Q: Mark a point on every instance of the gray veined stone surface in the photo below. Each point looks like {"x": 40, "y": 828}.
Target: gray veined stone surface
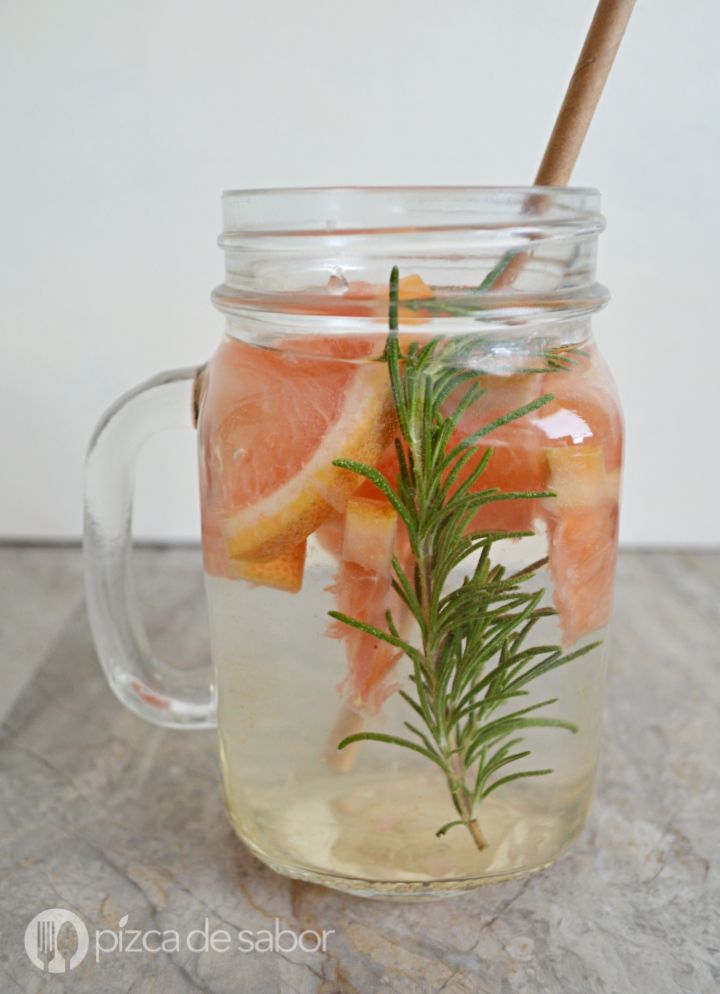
{"x": 107, "y": 816}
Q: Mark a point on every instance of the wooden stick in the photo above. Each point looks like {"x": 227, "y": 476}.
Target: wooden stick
{"x": 581, "y": 98}
{"x": 583, "y": 92}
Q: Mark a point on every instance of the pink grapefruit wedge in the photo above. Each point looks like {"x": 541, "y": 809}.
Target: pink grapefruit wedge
{"x": 272, "y": 424}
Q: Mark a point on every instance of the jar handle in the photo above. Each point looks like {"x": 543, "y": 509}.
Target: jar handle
{"x": 161, "y": 693}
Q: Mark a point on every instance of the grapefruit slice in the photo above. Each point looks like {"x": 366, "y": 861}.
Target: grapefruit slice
{"x": 370, "y": 527}
{"x": 285, "y": 572}
{"x": 364, "y": 594}
{"x": 363, "y": 590}
{"x": 583, "y": 557}
{"x": 272, "y": 424}
{"x": 583, "y": 433}
{"x": 371, "y": 299}
{"x": 330, "y": 534}
{"x": 516, "y": 463}
{"x": 572, "y": 446}
{"x": 582, "y": 529}
{"x": 577, "y": 477}
{"x": 585, "y": 411}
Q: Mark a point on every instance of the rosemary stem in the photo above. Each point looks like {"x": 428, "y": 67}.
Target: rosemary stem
{"x": 463, "y": 801}
{"x": 477, "y": 833}
{"x": 456, "y": 777}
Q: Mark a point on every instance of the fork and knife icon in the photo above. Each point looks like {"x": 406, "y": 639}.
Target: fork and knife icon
{"x": 53, "y": 959}
{"x": 49, "y": 941}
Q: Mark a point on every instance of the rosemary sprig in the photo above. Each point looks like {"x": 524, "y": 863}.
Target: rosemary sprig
{"x": 473, "y": 663}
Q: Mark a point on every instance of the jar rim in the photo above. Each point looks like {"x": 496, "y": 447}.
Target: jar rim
{"x": 298, "y": 252}
{"x": 374, "y": 210}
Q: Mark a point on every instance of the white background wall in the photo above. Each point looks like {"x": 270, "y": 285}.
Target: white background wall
{"x": 121, "y": 122}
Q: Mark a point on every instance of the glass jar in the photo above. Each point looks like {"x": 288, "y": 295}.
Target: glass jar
{"x": 410, "y": 453}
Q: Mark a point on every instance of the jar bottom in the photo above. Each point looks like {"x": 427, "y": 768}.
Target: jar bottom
{"x": 405, "y": 891}
{"x": 368, "y": 843}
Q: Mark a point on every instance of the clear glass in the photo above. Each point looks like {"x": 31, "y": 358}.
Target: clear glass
{"x": 172, "y": 696}
{"x": 402, "y": 599}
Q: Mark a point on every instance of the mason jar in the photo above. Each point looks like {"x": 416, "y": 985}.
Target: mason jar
{"x": 409, "y": 460}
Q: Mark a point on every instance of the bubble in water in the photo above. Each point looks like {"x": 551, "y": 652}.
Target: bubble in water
{"x": 337, "y": 284}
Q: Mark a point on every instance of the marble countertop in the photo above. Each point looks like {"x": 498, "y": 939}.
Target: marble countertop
{"x": 108, "y": 817}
